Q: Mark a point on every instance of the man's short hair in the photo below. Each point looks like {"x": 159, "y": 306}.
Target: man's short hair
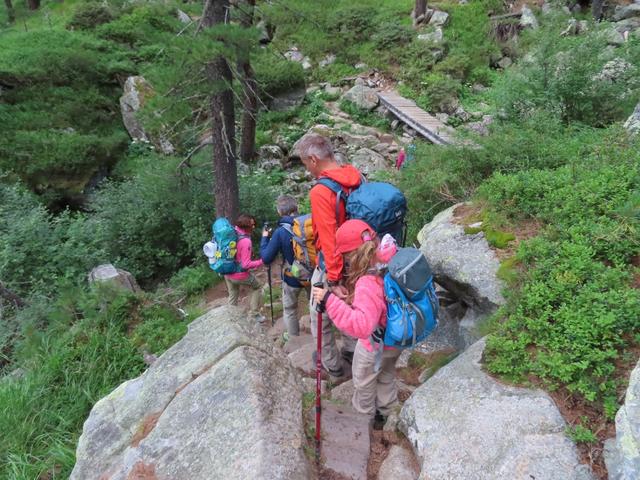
{"x": 286, "y": 205}
{"x": 314, "y": 144}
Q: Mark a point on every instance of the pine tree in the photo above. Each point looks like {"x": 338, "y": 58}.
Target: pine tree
{"x": 222, "y": 117}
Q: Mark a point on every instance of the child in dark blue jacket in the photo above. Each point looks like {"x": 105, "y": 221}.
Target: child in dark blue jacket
{"x": 280, "y": 243}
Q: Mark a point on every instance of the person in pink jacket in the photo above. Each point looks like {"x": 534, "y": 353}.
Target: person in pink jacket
{"x": 245, "y": 224}
{"x": 359, "y": 313}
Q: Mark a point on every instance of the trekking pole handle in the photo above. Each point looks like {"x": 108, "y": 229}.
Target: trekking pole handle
{"x": 320, "y": 307}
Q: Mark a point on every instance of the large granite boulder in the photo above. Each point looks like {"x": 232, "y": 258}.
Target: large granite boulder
{"x": 632, "y": 125}
{"x": 288, "y": 100}
{"x": 622, "y": 454}
{"x": 221, "y": 403}
{"x": 463, "y": 264}
{"x": 623, "y": 12}
{"x": 136, "y": 91}
{"x": 399, "y": 465}
{"x": 368, "y": 161}
{"x": 107, "y": 273}
{"x": 464, "y": 424}
{"x": 467, "y": 268}
{"x": 364, "y": 97}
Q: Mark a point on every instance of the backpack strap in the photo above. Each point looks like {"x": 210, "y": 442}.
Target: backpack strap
{"x": 336, "y": 188}
{"x": 288, "y": 228}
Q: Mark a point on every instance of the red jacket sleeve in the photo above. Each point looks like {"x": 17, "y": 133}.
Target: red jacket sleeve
{"x": 364, "y": 314}
{"x": 323, "y": 214}
{"x": 243, "y": 256}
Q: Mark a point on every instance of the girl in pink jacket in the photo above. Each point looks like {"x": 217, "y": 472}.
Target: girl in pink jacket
{"x": 359, "y": 313}
{"x": 245, "y": 224}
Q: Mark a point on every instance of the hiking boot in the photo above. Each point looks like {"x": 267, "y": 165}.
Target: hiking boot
{"x": 334, "y": 373}
{"x": 260, "y": 319}
{"x": 347, "y": 357}
{"x": 379, "y": 420}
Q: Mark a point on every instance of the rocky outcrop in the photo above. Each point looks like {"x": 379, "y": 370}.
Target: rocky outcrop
{"x": 463, "y": 264}
{"x": 398, "y": 465}
{"x": 107, "y": 273}
{"x": 136, "y": 91}
{"x": 624, "y": 12}
{"x": 364, "y": 97}
{"x": 466, "y": 267}
{"x": 632, "y": 125}
{"x": 287, "y": 100}
{"x": 622, "y": 454}
{"x": 295, "y": 55}
{"x": 436, "y": 36}
{"x": 368, "y": 161}
{"x": 464, "y": 424}
{"x": 220, "y": 403}
{"x": 528, "y": 19}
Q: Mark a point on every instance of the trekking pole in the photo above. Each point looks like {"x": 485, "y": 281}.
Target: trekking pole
{"x": 270, "y": 293}
{"x": 320, "y": 307}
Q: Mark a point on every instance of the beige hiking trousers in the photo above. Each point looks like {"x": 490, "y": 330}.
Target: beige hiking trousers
{"x": 374, "y": 390}
{"x": 290, "y": 297}
{"x": 331, "y": 358}
{"x": 255, "y": 297}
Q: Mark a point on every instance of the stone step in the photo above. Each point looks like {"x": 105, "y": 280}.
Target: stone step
{"x": 343, "y": 393}
{"x": 399, "y": 465}
{"x": 301, "y": 359}
{"x": 277, "y": 329}
{"x": 345, "y": 441}
{"x": 295, "y": 343}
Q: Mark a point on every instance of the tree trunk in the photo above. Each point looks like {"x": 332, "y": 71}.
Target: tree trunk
{"x": 596, "y": 9}
{"x": 419, "y": 9}
{"x": 33, "y": 4}
{"x": 225, "y": 172}
{"x": 249, "y": 92}
{"x": 11, "y": 297}
{"x": 11, "y": 14}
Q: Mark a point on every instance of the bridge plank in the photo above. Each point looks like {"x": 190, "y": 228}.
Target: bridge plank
{"x": 422, "y": 122}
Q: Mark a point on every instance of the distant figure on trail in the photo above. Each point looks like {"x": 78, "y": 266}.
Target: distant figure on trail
{"x": 280, "y": 243}
{"x": 244, "y": 225}
{"x": 316, "y": 153}
{"x": 360, "y": 313}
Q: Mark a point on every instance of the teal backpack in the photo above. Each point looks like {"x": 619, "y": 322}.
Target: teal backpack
{"x": 222, "y": 248}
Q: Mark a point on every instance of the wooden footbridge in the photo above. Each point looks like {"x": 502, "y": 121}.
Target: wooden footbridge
{"x": 408, "y": 112}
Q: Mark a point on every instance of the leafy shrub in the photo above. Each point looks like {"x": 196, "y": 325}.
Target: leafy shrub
{"x": 442, "y": 176}
{"x": 38, "y": 251}
{"x": 89, "y": 15}
{"x": 469, "y": 40}
{"x": 392, "y": 34}
{"x": 83, "y": 355}
{"x": 442, "y": 91}
{"x": 144, "y": 25}
{"x": 578, "y": 79}
{"x": 363, "y": 117}
{"x": 159, "y": 330}
{"x": 61, "y": 117}
{"x": 191, "y": 280}
{"x": 576, "y": 311}
{"x": 275, "y": 74}
{"x": 353, "y": 23}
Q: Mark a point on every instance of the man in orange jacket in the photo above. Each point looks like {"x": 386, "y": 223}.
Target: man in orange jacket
{"x": 316, "y": 153}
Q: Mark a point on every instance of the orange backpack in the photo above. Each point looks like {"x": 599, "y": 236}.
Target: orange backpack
{"x": 304, "y": 248}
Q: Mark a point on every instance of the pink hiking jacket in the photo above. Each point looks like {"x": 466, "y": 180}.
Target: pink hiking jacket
{"x": 243, "y": 257}
{"x": 362, "y": 317}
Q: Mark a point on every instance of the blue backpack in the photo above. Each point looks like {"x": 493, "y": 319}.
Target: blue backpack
{"x": 222, "y": 248}
{"x": 412, "y": 304}
{"x": 379, "y": 204}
